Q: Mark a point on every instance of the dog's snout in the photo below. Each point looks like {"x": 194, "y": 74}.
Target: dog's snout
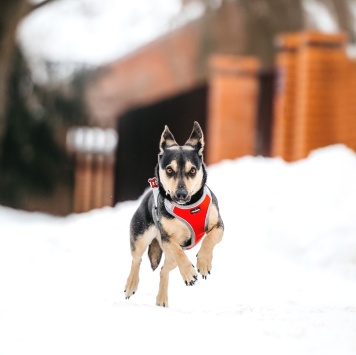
{"x": 181, "y": 193}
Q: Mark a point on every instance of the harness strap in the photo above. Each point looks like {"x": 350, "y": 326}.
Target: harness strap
{"x": 155, "y": 190}
{"x": 154, "y": 186}
{"x": 194, "y": 216}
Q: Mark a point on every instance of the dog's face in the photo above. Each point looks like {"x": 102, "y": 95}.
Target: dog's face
{"x": 181, "y": 168}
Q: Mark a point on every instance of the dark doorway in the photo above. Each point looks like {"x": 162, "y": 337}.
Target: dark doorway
{"x": 139, "y": 134}
{"x": 265, "y": 113}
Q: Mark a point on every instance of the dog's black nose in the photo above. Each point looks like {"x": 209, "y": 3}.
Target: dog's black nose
{"x": 181, "y": 194}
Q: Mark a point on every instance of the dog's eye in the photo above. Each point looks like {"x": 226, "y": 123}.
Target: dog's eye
{"x": 169, "y": 170}
{"x": 192, "y": 171}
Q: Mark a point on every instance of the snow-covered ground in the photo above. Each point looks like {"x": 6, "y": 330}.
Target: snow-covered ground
{"x": 283, "y": 278}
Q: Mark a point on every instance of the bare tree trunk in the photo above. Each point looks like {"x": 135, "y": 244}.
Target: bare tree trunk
{"x": 345, "y": 18}
{"x": 265, "y": 19}
{"x": 11, "y": 13}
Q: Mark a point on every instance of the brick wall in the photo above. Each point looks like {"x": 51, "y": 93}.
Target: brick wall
{"x": 233, "y": 97}
{"x": 314, "y": 101}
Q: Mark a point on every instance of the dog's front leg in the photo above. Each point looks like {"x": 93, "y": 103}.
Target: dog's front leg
{"x": 187, "y": 270}
{"x": 162, "y": 296}
{"x": 139, "y": 244}
{"x": 133, "y": 278}
{"x": 205, "y": 254}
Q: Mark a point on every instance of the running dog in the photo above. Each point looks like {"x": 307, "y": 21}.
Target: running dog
{"x": 178, "y": 213}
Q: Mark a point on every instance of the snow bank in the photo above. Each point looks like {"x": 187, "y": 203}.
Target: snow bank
{"x": 283, "y": 278}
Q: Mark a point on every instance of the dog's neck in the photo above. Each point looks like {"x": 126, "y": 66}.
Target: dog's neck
{"x": 196, "y": 197}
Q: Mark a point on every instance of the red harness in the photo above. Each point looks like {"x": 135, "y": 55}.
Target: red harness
{"x": 194, "y": 216}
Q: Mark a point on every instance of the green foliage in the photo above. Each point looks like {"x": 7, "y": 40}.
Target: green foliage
{"x": 33, "y": 161}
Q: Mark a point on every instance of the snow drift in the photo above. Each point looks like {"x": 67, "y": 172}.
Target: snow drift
{"x": 283, "y": 278}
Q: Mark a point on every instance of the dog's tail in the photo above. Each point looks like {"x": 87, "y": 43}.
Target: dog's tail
{"x": 154, "y": 253}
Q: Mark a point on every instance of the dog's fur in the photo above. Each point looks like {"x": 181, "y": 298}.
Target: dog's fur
{"x": 181, "y": 175}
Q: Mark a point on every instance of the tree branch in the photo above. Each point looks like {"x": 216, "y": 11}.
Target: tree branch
{"x": 37, "y": 6}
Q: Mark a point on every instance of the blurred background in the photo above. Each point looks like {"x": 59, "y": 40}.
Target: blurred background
{"x": 86, "y": 87}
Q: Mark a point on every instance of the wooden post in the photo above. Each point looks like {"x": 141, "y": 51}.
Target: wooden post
{"x": 314, "y": 101}
{"x": 94, "y": 172}
{"x": 346, "y": 107}
{"x": 285, "y": 96}
{"x": 98, "y": 180}
{"x": 79, "y": 183}
{"x": 108, "y": 181}
{"x": 83, "y": 183}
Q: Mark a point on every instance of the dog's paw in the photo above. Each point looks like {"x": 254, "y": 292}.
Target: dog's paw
{"x": 162, "y": 300}
{"x": 189, "y": 275}
{"x": 131, "y": 287}
{"x": 204, "y": 264}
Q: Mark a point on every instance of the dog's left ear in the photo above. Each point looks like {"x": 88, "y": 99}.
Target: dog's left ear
{"x": 196, "y": 139}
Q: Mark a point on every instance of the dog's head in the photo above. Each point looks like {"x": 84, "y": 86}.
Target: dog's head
{"x": 181, "y": 170}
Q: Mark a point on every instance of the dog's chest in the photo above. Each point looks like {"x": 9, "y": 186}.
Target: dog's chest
{"x": 190, "y": 223}
{"x": 176, "y": 229}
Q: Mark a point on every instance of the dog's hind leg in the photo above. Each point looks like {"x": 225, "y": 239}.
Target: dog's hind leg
{"x": 139, "y": 245}
{"x": 162, "y": 296}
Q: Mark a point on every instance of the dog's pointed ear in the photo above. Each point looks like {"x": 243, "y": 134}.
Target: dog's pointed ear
{"x": 196, "y": 139}
{"x": 167, "y": 140}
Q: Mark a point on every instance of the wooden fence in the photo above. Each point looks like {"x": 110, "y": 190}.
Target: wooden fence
{"x": 313, "y": 100}
{"x": 94, "y": 166}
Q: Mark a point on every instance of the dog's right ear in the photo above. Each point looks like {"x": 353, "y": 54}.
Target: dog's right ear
{"x": 167, "y": 140}
{"x": 196, "y": 139}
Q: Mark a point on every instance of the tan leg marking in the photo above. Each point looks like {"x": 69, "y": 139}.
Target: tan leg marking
{"x": 141, "y": 245}
{"x": 213, "y": 237}
{"x": 162, "y": 296}
{"x": 175, "y": 252}
{"x": 205, "y": 254}
{"x": 178, "y": 233}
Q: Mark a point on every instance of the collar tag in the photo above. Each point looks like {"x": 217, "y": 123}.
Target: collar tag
{"x": 153, "y": 183}
{"x": 154, "y": 186}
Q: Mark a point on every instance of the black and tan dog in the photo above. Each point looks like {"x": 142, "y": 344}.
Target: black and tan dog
{"x": 178, "y": 212}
